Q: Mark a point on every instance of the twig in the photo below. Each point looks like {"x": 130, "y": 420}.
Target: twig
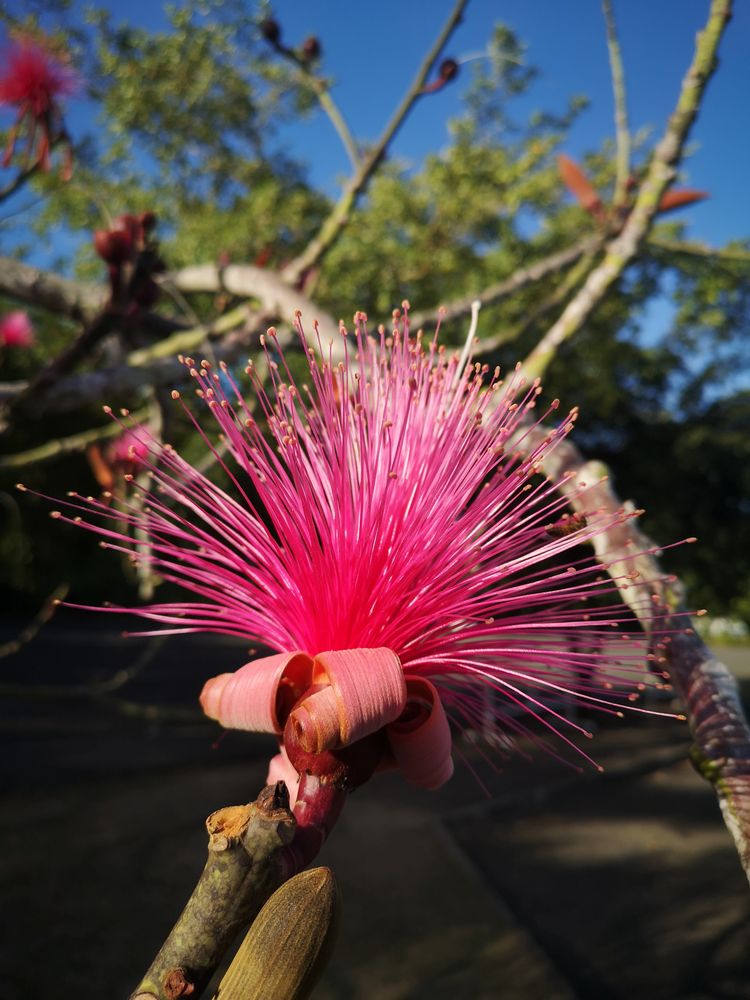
{"x": 513, "y": 283}
{"x": 18, "y": 182}
{"x": 338, "y": 121}
{"x": 274, "y": 294}
{"x": 573, "y": 278}
{"x": 339, "y": 215}
{"x": 621, "y": 109}
{"x": 244, "y": 866}
{"x": 58, "y": 447}
{"x": 661, "y": 173}
{"x": 122, "y": 677}
{"x": 699, "y": 250}
{"x": 321, "y": 90}
{"x": 41, "y": 618}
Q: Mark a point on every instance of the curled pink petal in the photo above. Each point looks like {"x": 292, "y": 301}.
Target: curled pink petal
{"x": 421, "y": 738}
{"x": 280, "y": 768}
{"x": 364, "y": 691}
{"x": 258, "y": 696}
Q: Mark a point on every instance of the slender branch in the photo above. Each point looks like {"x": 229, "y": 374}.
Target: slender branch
{"x": 26, "y": 173}
{"x": 573, "y": 278}
{"x": 188, "y": 341}
{"x": 513, "y": 283}
{"x": 706, "y": 686}
{"x": 18, "y": 182}
{"x": 729, "y": 256}
{"x": 661, "y": 173}
{"x": 321, "y": 90}
{"x": 41, "y": 618}
{"x": 58, "y": 447}
{"x": 339, "y": 216}
{"x": 339, "y": 122}
{"x": 243, "y": 868}
{"x": 621, "y": 108}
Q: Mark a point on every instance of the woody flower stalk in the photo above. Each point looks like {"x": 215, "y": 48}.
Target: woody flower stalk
{"x": 385, "y": 539}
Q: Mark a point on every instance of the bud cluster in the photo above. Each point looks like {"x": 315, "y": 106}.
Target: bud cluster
{"x": 132, "y": 258}
{"x": 308, "y": 52}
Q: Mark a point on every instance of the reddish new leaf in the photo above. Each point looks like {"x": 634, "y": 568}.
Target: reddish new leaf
{"x": 679, "y": 198}
{"x": 576, "y": 181}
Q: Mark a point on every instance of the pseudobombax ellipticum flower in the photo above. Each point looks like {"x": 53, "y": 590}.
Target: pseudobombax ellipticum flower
{"x": 33, "y": 79}
{"x": 384, "y": 533}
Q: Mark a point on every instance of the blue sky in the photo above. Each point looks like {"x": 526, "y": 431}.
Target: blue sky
{"x": 372, "y": 51}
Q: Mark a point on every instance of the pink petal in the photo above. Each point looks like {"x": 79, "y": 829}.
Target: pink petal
{"x": 421, "y": 739}
{"x": 258, "y": 696}
{"x": 280, "y": 768}
{"x": 364, "y": 691}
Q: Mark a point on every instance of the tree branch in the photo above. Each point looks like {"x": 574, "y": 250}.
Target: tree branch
{"x": 621, "y": 109}
{"x": 243, "y": 868}
{"x": 661, "y": 173}
{"x": 679, "y": 247}
{"x": 573, "y": 278}
{"x": 513, "y": 283}
{"x": 57, "y": 447}
{"x": 246, "y": 281}
{"x": 706, "y": 686}
{"x": 339, "y": 215}
{"x": 35, "y": 287}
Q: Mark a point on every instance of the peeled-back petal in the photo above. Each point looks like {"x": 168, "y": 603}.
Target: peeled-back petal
{"x": 258, "y": 696}
{"x": 421, "y": 739}
{"x": 364, "y": 691}
{"x": 280, "y": 768}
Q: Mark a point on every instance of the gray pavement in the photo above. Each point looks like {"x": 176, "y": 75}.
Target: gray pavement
{"x": 556, "y": 885}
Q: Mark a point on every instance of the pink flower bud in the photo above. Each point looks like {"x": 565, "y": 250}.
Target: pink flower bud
{"x": 16, "y": 330}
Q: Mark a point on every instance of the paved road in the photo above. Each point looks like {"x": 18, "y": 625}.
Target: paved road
{"x": 556, "y": 885}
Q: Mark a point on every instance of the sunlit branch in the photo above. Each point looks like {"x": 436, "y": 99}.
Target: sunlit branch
{"x": 515, "y": 282}
{"x": 339, "y": 216}
{"x": 661, "y": 172}
{"x": 58, "y": 447}
{"x": 706, "y": 686}
{"x": 621, "y": 109}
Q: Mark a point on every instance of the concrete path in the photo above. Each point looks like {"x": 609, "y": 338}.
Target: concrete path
{"x": 556, "y": 886}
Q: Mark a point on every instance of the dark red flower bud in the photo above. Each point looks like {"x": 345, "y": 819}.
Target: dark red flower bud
{"x": 131, "y": 225}
{"x": 114, "y": 246}
{"x": 271, "y": 30}
{"x": 448, "y": 70}
{"x": 311, "y": 49}
{"x": 147, "y": 221}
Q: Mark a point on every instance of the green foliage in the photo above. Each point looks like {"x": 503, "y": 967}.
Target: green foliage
{"x": 187, "y": 121}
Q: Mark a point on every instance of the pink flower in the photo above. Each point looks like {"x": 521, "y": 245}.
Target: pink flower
{"x": 16, "y": 330}
{"x": 33, "y": 79}
{"x": 379, "y": 507}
